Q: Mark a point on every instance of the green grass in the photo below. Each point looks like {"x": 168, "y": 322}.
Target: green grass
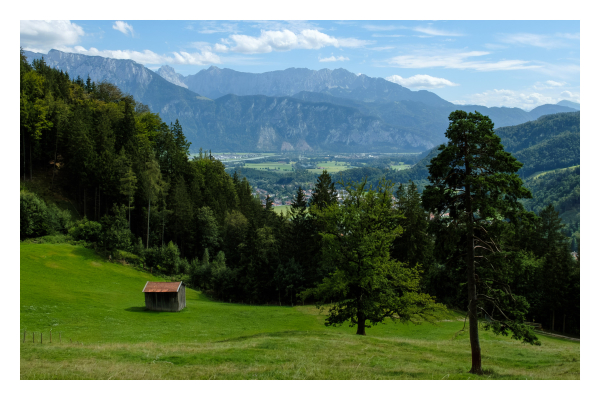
{"x": 399, "y": 167}
{"x": 272, "y": 166}
{"x": 540, "y": 173}
{"x": 100, "y": 307}
{"x": 332, "y": 167}
{"x": 281, "y": 209}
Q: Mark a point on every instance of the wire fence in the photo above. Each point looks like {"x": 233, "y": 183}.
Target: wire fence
{"x": 45, "y": 337}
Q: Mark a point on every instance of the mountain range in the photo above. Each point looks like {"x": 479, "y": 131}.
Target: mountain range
{"x": 294, "y": 109}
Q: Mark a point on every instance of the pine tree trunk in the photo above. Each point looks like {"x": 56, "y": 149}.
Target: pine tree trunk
{"x": 564, "y": 321}
{"x": 24, "y": 158}
{"x": 552, "y": 320}
{"x": 148, "y": 231}
{"x": 55, "y": 153}
{"x": 84, "y": 202}
{"x": 129, "y": 208}
{"x": 472, "y": 288}
{"x": 30, "y": 160}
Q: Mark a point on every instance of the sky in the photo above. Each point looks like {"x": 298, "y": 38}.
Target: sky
{"x": 492, "y": 63}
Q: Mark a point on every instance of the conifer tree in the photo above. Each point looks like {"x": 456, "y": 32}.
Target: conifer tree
{"x": 324, "y": 193}
{"x": 475, "y": 182}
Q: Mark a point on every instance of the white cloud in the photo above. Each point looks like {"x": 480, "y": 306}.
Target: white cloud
{"x": 457, "y": 60}
{"x": 123, "y": 27}
{"x": 421, "y": 81}
{"x": 210, "y": 27}
{"x": 204, "y": 46}
{"x": 382, "y": 48}
{"x": 333, "y": 58}
{"x": 568, "y": 95}
{"x": 150, "y": 57}
{"x": 42, "y": 36}
{"x": 531, "y": 39}
{"x": 548, "y": 85}
{"x": 526, "y": 100}
{"x": 221, "y": 48}
{"x": 435, "y": 32}
{"x": 574, "y": 36}
{"x": 285, "y": 40}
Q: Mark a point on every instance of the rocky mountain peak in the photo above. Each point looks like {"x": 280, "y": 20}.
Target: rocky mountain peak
{"x": 169, "y": 74}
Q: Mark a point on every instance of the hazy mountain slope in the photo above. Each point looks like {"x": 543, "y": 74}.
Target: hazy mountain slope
{"x": 216, "y": 82}
{"x": 519, "y": 137}
{"x": 244, "y": 123}
{"x": 273, "y": 123}
{"x": 547, "y": 109}
{"x": 567, "y": 103}
{"x": 331, "y": 109}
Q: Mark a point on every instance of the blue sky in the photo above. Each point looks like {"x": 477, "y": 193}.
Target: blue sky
{"x": 494, "y": 63}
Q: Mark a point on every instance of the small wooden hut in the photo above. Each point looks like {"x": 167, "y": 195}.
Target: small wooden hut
{"x": 165, "y": 296}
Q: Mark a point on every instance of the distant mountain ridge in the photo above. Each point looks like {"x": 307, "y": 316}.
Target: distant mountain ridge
{"x": 344, "y": 112}
{"x": 215, "y": 82}
{"x": 567, "y": 103}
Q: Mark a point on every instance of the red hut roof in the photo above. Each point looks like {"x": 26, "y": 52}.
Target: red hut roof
{"x": 162, "y": 287}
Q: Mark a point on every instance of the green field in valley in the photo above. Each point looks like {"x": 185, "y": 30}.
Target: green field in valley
{"x": 281, "y": 209}
{"x": 399, "y": 167}
{"x": 107, "y": 334}
{"x": 332, "y": 167}
{"x": 271, "y": 166}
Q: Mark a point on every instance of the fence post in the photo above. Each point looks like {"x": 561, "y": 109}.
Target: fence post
{"x": 50, "y": 335}
{"x": 41, "y": 337}
{"x": 33, "y": 337}
{"x": 59, "y": 337}
{"x": 24, "y": 332}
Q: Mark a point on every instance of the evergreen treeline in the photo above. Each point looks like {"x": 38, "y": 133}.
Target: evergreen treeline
{"x": 137, "y": 192}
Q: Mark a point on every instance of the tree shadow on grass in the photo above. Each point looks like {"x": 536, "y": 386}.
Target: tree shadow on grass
{"x": 86, "y": 254}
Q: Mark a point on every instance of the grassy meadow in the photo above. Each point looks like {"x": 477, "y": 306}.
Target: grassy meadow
{"x": 399, "y": 167}
{"x": 332, "y": 167}
{"x": 107, "y": 334}
{"x": 271, "y": 166}
{"x": 281, "y": 209}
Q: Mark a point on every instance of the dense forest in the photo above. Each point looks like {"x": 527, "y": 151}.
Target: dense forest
{"x": 99, "y": 168}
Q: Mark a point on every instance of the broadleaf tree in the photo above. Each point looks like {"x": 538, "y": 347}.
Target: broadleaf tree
{"x": 367, "y": 285}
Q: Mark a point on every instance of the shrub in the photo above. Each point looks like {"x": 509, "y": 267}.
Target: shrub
{"x": 38, "y": 219}
{"x": 129, "y": 258}
{"x": 170, "y": 258}
{"x": 115, "y": 234}
{"x": 86, "y": 230}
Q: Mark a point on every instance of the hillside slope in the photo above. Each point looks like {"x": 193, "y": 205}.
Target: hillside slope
{"x": 98, "y": 308}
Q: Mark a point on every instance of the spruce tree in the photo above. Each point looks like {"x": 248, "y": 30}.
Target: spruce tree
{"x": 324, "y": 193}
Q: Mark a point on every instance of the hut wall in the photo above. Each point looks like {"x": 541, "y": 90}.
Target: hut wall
{"x": 162, "y": 301}
{"x": 181, "y": 297}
